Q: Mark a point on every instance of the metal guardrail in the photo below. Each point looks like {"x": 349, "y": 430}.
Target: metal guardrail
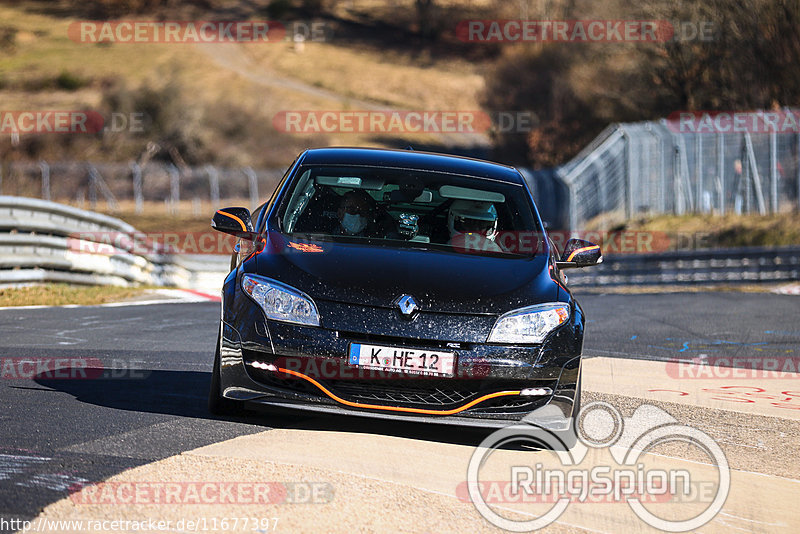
{"x": 38, "y": 242}
{"x": 719, "y": 266}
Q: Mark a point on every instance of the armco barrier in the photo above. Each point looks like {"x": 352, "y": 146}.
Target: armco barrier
{"x": 35, "y": 247}
{"x": 717, "y": 266}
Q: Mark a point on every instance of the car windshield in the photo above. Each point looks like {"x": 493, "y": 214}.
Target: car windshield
{"x": 410, "y": 208}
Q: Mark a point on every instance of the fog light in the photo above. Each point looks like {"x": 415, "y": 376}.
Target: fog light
{"x": 535, "y": 392}
{"x": 264, "y": 366}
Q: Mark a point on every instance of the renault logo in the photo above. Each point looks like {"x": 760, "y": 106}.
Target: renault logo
{"x": 408, "y": 306}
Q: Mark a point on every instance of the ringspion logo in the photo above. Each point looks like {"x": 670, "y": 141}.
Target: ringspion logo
{"x": 624, "y": 473}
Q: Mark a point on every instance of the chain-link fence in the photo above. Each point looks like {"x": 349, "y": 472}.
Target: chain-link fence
{"x": 655, "y": 167}
{"x": 109, "y": 185}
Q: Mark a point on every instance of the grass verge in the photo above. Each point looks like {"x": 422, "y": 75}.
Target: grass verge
{"x": 61, "y": 294}
{"x": 707, "y": 231}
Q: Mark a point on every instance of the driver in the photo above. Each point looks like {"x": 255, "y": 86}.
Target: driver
{"x": 473, "y": 226}
{"x": 356, "y": 214}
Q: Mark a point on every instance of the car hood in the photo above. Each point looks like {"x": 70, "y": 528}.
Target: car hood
{"x": 440, "y": 281}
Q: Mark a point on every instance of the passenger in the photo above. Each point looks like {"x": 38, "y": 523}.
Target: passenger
{"x": 473, "y": 226}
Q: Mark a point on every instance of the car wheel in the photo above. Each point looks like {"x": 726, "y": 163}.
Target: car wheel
{"x": 570, "y": 437}
{"x": 576, "y": 406}
{"x": 217, "y": 404}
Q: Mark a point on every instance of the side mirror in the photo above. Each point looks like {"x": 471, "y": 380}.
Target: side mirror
{"x": 580, "y": 253}
{"x": 234, "y": 221}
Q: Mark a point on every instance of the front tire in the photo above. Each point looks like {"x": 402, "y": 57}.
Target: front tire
{"x": 569, "y": 437}
{"x": 217, "y": 404}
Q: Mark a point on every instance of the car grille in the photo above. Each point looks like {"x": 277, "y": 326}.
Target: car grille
{"x": 430, "y": 393}
{"x": 407, "y": 392}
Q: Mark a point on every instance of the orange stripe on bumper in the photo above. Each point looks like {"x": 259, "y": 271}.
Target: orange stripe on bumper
{"x": 398, "y": 408}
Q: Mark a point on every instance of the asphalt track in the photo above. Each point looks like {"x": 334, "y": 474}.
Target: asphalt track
{"x": 149, "y": 402}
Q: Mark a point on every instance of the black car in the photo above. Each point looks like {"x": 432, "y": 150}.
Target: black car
{"x": 400, "y": 284}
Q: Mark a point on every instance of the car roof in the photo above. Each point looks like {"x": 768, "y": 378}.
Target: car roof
{"x": 411, "y": 159}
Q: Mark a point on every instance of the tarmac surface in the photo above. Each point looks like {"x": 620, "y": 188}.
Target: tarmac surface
{"x": 140, "y": 417}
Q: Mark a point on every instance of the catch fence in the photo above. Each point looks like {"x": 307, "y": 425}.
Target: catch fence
{"x": 91, "y": 185}
{"x": 655, "y": 167}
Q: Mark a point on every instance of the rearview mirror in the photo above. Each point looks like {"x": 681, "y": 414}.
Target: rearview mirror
{"x": 234, "y": 221}
{"x": 580, "y": 253}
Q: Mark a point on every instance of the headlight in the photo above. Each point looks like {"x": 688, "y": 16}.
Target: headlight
{"x": 281, "y": 302}
{"x": 530, "y": 324}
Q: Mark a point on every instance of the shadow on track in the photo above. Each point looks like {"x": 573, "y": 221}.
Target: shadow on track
{"x": 183, "y": 394}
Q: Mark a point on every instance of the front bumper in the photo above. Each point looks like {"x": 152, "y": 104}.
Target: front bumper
{"x": 277, "y": 364}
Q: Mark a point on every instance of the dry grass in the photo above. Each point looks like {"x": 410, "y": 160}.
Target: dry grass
{"x": 392, "y": 79}
{"x": 190, "y": 217}
{"x": 729, "y": 230}
{"x": 61, "y": 294}
{"x": 252, "y": 78}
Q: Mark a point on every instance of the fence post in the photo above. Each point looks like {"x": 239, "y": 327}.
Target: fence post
{"x": 660, "y": 186}
{"x": 677, "y": 201}
{"x": 253, "y": 183}
{"x": 721, "y": 171}
{"x": 98, "y": 183}
{"x": 698, "y": 170}
{"x": 751, "y": 156}
{"x": 213, "y": 185}
{"x": 92, "y": 190}
{"x": 629, "y": 206}
{"x": 573, "y": 208}
{"x": 45, "y": 168}
{"x": 683, "y": 193}
{"x": 773, "y": 171}
{"x": 138, "y": 198}
{"x": 174, "y": 188}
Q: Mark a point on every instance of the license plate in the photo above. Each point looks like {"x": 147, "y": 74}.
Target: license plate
{"x": 414, "y": 361}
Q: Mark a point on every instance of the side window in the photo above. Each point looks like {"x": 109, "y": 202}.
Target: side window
{"x": 264, "y": 208}
{"x": 256, "y": 215}
{"x": 554, "y": 254}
